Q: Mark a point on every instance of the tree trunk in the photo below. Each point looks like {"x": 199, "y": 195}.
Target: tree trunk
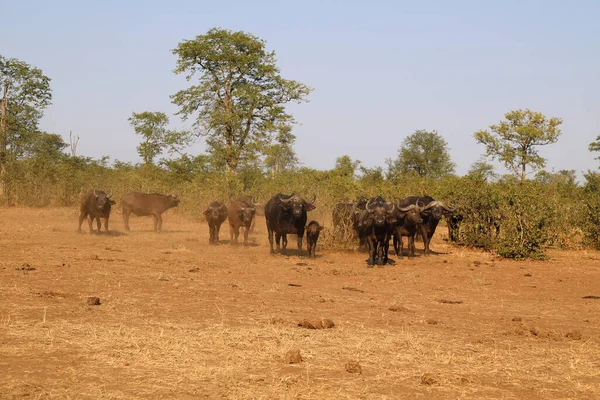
{"x": 523, "y": 166}
{"x": 3, "y": 140}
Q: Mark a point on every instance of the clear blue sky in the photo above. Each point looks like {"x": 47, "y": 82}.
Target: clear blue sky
{"x": 380, "y": 70}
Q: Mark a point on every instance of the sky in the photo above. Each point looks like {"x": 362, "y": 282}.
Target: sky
{"x": 379, "y": 70}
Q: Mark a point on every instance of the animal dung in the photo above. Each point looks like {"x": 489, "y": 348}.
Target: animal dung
{"x": 353, "y": 367}
{"x": 293, "y": 356}
{"x": 428, "y": 379}
{"x": 93, "y": 301}
{"x": 316, "y": 324}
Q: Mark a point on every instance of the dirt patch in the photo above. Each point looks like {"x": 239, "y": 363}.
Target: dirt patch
{"x": 573, "y": 335}
{"x": 223, "y": 329}
{"x": 25, "y": 267}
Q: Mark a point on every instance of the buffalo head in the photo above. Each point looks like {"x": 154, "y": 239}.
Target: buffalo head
{"x": 435, "y": 208}
{"x": 411, "y": 213}
{"x": 102, "y": 199}
{"x": 246, "y": 213}
{"x": 172, "y": 201}
{"x": 379, "y": 210}
{"x": 297, "y": 204}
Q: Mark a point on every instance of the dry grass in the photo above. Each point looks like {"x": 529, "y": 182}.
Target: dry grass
{"x": 182, "y": 319}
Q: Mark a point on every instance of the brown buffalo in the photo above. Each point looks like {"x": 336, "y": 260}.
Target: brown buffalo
{"x": 95, "y": 204}
{"x": 241, "y": 214}
{"x": 215, "y": 215}
{"x": 146, "y": 204}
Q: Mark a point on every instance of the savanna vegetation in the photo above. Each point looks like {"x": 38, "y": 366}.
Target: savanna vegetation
{"x": 236, "y": 101}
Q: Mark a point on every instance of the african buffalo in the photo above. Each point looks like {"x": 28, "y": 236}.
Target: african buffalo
{"x": 286, "y": 214}
{"x": 407, "y": 221}
{"x": 313, "y": 229}
{"x": 359, "y": 213}
{"x": 241, "y": 214}
{"x": 95, "y": 204}
{"x": 379, "y": 222}
{"x": 431, "y": 216}
{"x": 145, "y": 204}
{"x": 215, "y": 215}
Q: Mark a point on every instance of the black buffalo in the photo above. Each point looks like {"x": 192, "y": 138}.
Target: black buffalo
{"x": 313, "y": 229}
{"x": 378, "y": 225}
{"x": 286, "y": 214}
{"x": 407, "y": 221}
{"x": 215, "y": 215}
{"x": 95, "y": 204}
{"x": 146, "y": 204}
{"x": 434, "y": 212}
{"x": 359, "y": 214}
{"x": 241, "y": 214}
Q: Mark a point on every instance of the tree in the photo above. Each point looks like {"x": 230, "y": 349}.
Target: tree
{"x": 240, "y": 97}
{"x": 482, "y": 170}
{"x": 344, "y": 166}
{"x": 514, "y": 140}
{"x": 152, "y": 126}
{"x": 595, "y": 146}
{"x": 425, "y": 154}
{"x": 25, "y": 92}
{"x": 281, "y": 155}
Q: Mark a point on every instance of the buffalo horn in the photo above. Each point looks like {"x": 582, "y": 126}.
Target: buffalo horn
{"x": 95, "y": 193}
{"x": 286, "y": 200}
{"x": 407, "y": 208}
{"x": 445, "y": 207}
{"x": 313, "y": 200}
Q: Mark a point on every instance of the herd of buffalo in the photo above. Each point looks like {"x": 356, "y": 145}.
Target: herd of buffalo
{"x": 374, "y": 221}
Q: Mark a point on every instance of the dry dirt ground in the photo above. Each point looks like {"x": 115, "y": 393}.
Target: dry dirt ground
{"x": 181, "y": 319}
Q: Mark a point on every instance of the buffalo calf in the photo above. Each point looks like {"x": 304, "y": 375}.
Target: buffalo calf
{"x": 313, "y": 229}
{"x": 215, "y": 215}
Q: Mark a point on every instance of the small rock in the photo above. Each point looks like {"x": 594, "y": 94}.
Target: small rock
{"x": 573, "y": 335}
{"x": 353, "y": 367}
{"x": 93, "y": 301}
{"x": 528, "y": 275}
{"x": 95, "y": 257}
{"x": 432, "y": 321}
{"x": 194, "y": 269}
{"x": 428, "y": 379}
{"x": 517, "y": 319}
{"x": 293, "y": 356}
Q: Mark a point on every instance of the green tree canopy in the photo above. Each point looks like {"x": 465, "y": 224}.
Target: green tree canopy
{"x": 239, "y": 97}
{"x": 482, "y": 170}
{"x": 425, "y": 154}
{"x": 152, "y": 126}
{"x": 595, "y": 146}
{"x": 24, "y": 94}
{"x": 281, "y": 156}
{"x": 514, "y": 140}
{"x": 345, "y": 166}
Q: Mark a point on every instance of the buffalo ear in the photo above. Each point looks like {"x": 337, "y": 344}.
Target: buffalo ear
{"x": 309, "y": 207}
{"x": 207, "y": 211}
{"x": 112, "y": 202}
{"x": 320, "y": 228}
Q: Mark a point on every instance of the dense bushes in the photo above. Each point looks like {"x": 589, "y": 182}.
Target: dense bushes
{"x": 514, "y": 219}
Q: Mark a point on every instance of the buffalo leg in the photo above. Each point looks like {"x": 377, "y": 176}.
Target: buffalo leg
{"x": 105, "y": 225}
{"x": 99, "y": 224}
{"x": 81, "y": 218}
{"x": 371, "y": 245}
{"x": 126, "y": 219}
{"x": 246, "y": 231}
{"x": 158, "y": 223}
{"x": 90, "y": 223}
{"x": 284, "y": 241}
{"x": 217, "y": 229}
{"x": 411, "y": 246}
{"x": 300, "y": 236}
{"x": 231, "y": 230}
{"x": 237, "y": 234}
{"x": 386, "y": 249}
{"x": 277, "y": 242}
{"x": 423, "y": 232}
{"x": 270, "y": 235}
